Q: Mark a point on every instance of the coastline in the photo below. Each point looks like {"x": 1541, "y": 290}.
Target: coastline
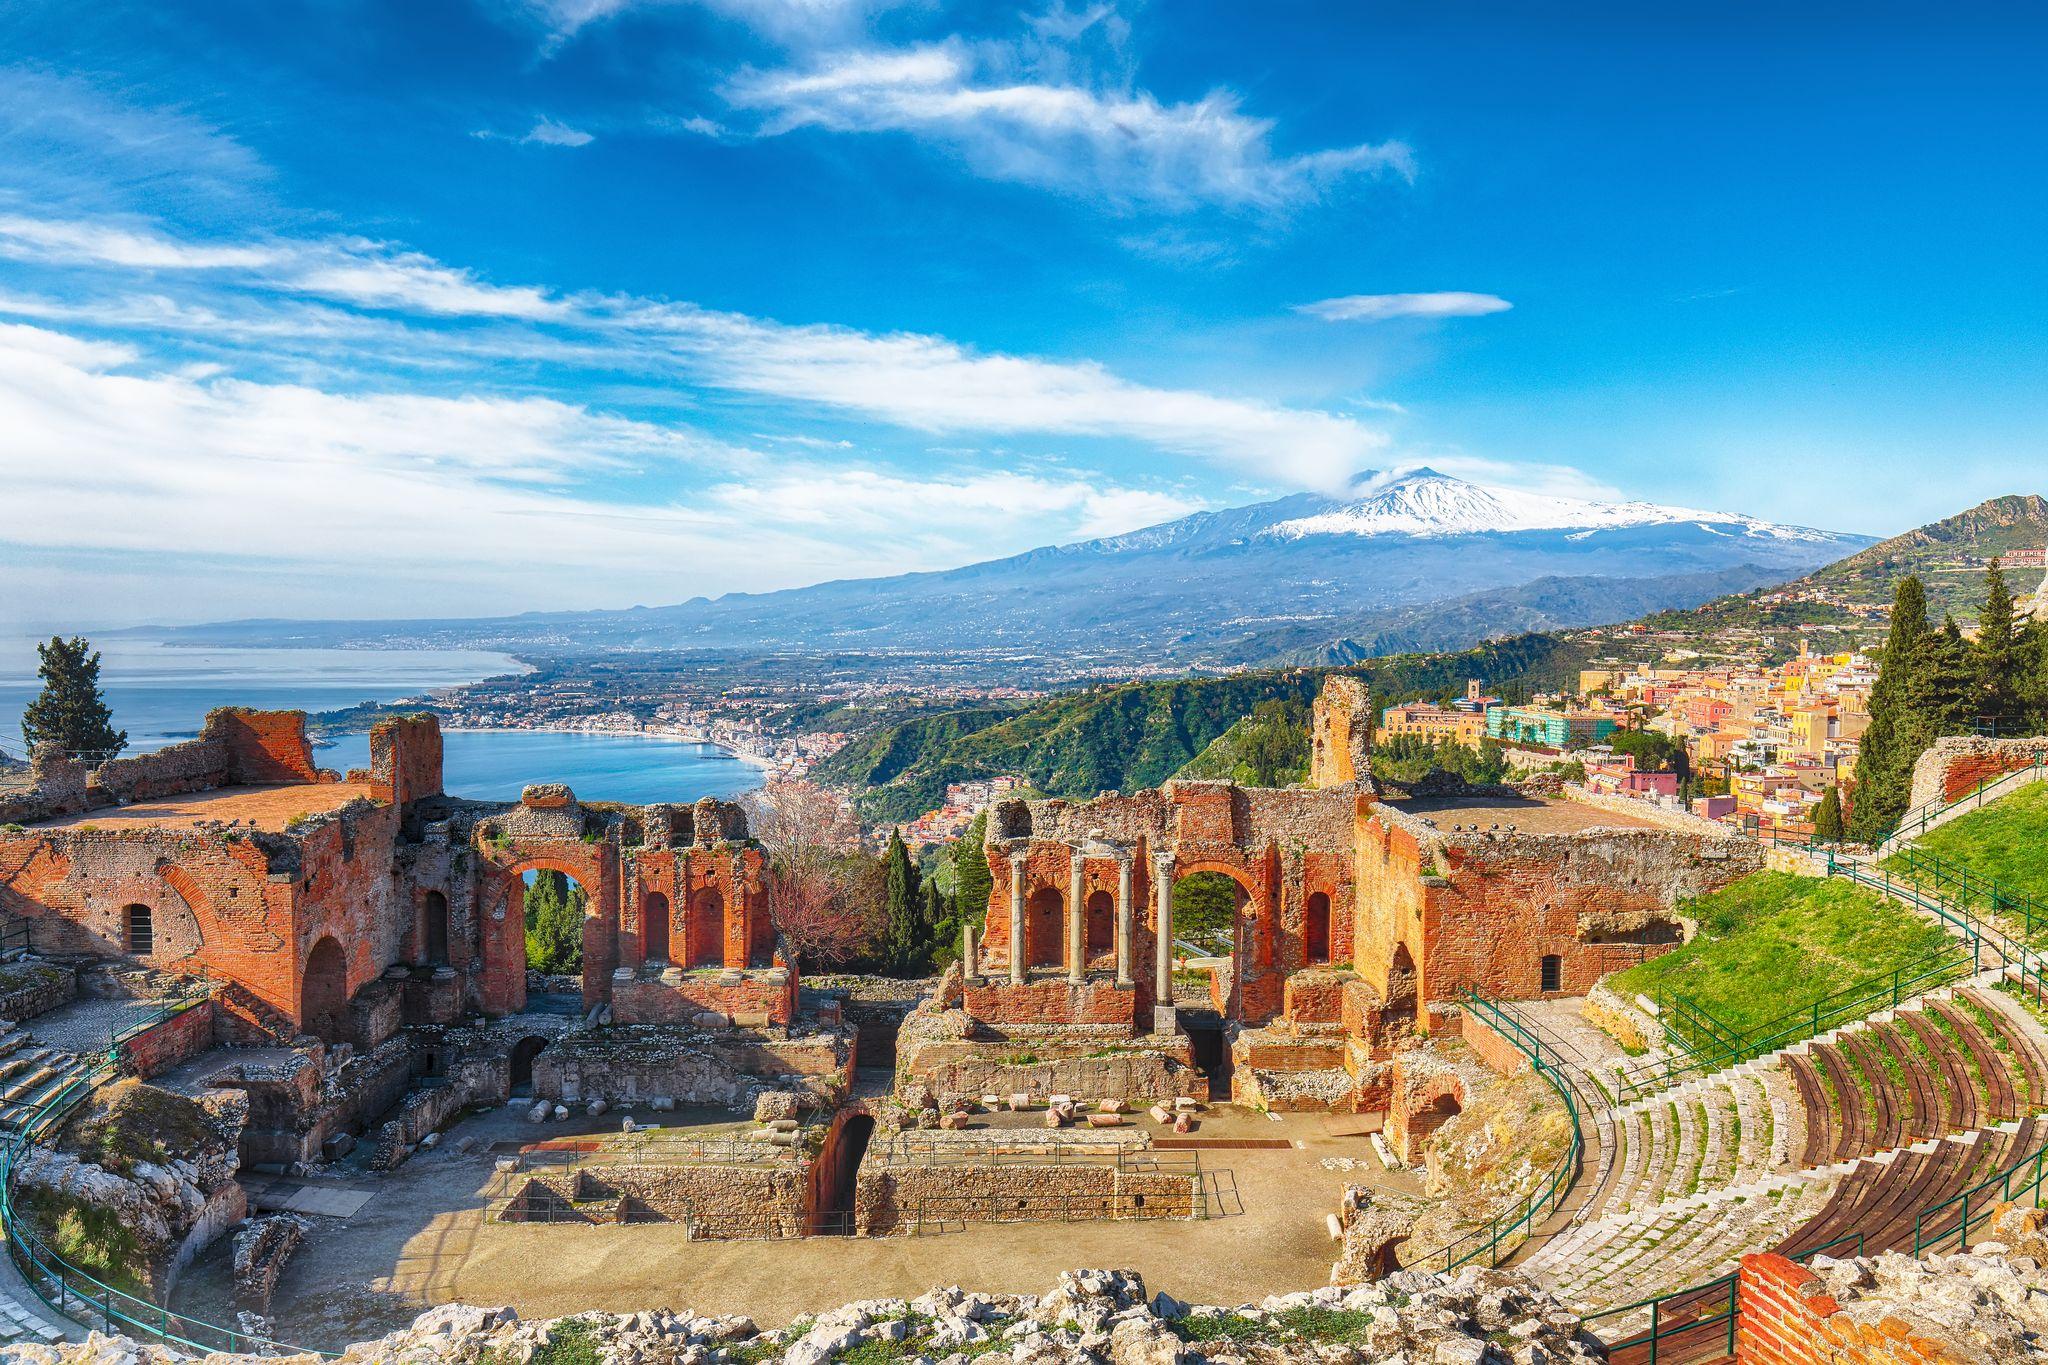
{"x": 672, "y": 737}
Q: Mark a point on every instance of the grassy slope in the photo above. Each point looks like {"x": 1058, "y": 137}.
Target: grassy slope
{"x": 1773, "y": 942}
{"x": 2006, "y": 841}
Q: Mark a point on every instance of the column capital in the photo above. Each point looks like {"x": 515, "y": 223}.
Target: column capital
{"x": 1019, "y": 857}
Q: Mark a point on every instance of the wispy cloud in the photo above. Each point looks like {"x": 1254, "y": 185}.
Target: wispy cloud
{"x": 563, "y": 19}
{"x": 1126, "y": 148}
{"x": 911, "y": 380}
{"x": 546, "y": 132}
{"x": 1381, "y": 307}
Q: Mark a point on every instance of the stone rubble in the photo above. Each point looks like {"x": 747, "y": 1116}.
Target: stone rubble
{"x": 1091, "y": 1317}
{"x": 1988, "y": 1303}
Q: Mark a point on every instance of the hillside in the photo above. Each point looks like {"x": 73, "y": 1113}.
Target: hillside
{"x": 1232, "y": 588}
{"x": 1134, "y": 735}
{"x": 1846, "y": 600}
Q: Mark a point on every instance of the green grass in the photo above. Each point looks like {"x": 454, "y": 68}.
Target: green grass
{"x": 1773, "y": 942}
{"x": 1321, "y": 1325}
{"x": 2007, "y": 841}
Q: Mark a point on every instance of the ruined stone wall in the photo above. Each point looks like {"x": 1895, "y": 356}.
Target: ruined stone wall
{"x": 173, "y": 1042}
{"x": 1340, "y": 734}
{"x": 1952, "y": 768}
{"x": 1485, "y": 911}
{"x": 729, "y": 1068}
{"x": 890, "y": 1197}
{"x": 1888, "y": 1310}
{"x": 995, "y": 1000}
{"x": 405, "y": 759}
{"x": 350, "y": 892}
{"x": 28, "y": 989}
{"x": 236, "y": 747}
{"x": 716, "y": 1203}
{"x": 712, "y": 998}
{"x": 943, "y": 1055}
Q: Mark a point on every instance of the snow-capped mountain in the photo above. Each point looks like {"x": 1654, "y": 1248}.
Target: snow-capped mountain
{"x": 1415, "y": 561}
{"x": 1426, "y": 503}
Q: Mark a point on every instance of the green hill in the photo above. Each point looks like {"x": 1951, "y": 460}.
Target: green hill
{"x": 2006, "y": 843}
{"x": 1134, "y": 735}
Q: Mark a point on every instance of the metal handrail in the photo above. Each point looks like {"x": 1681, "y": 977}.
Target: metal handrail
{"x": 44, "y": 1270}
{"x": 1725, "y": 1046}
{"x": 1716, "y": 1347}
{"x": 1491, "y": 1242}
{"x": 1977, "y": 888}
{"x": 2031, "y": 1170}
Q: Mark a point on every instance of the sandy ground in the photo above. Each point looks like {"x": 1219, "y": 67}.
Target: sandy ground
{"x": 422, "y": 1240}
{"x": 263, "y": 808}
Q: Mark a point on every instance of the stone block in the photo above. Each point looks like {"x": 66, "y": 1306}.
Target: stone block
{"x": 337, "y": 1145}
{"x": 1105, "y": 1120}
{"x": 1159, "y": 1114}
{"x": 1019, "y": 1103}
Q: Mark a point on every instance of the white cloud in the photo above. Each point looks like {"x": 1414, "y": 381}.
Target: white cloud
{"x": 546, "y": 132}
{"x": 1126, "y": 148}
{"x": 775, "y": 18}
{"x": 1380, "y": 307}
{"x": 111, "y": 244}
{"x": 912, "y": 380}
{"x": 177, "y": 493}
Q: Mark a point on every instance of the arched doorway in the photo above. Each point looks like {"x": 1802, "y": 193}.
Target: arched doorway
{"x": 836, "y": 1176}
{"x": 138, "y": 930}
{"x": 1206, "y": 910}
{"x": 1317, "y": 930}
{"x": 523, "y": 1053}
{"x": 323, "y": 993}
{"x": 654, "y": 927}
{"x": 555, "y": 905}
{"x": 1045, "y": 930}
{"x": 707, "y": 929}
{"x": 434, "y": 929}
{"x": 1101, "y": 923}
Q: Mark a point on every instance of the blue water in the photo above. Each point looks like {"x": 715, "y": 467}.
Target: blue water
{"x": 492, "y": 765}
{"x": 160, "y": 694}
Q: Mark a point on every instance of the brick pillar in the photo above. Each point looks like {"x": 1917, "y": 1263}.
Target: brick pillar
{"x": 1077, "y": 920}
{"x": 1164, "y": 1020}
{"x": 1123, "y": 921}
{"x": 1017, "y": 958}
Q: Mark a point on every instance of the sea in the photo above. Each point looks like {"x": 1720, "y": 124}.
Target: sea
{"x": 160, "y": 693}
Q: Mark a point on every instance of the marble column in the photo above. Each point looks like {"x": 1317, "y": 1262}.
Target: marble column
{"x": 1077, "y": 919}
{"x": 1123, "y": 921}
{"x": 1162, "y": 978}
{"x": 970, "y": 965}
{"x": 1017, "y": 946}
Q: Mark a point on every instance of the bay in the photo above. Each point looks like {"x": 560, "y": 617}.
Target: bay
{"x": 161, "y": 693}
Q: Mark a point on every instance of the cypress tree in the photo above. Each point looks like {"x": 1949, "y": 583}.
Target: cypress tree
{"x": 1947, "y": 703}
{"x": 70, "y": 712}
{"x": 1827, "y": 817}
{"x": 972, "y": 880}
{"x": 554, "y": 923}
{"x": 1998, "y": 658}
{"x": 1884, "y": 764}
{"x": 902, "y": 943}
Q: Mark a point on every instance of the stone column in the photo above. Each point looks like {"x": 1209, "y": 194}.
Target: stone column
{"x": 1017, "y": 958}
{"x": 1163, "y": 1016}
{"x": 1123, "y": 921}
{"x": 969, "y": 963}
{"x": 1077, "y": 918}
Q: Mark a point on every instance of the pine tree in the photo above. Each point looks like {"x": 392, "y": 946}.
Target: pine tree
{"x": 1827, "y": 817}
{"x": 1998, "y": 659}
{"x": 1897, "y": 722}
{"x": 70, "y": 712}
{"x": 902, "y": 942}
{"x": 1947, "y": 700}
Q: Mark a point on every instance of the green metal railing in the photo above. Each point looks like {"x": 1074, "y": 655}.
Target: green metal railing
{"x": 1948, "y": 878}
{"x": 1693, "y": 1324}
{"x": 1916, "y": 821}
{"x": 64, "y": 1288}
{"x": 1951, "y": 1220}
{"x": 1711, "y": 1045}
{"x": 1510, "y": 1228}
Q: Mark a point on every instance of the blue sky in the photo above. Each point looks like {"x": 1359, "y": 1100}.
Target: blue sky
{"x": 462, "y": 306}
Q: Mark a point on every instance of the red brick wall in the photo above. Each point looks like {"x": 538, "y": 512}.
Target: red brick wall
{"x": 1051, "y": 1001}
{"x": 405, "y": 758}
{"x": 264, "y": 746}
{"x": 1315, "y": 998}
{"x": 177, "y": 1039}
{"x": 1786, "y": 1319}
{"x": 653, "y": 1001}
{"x": 1492, "y": 1049}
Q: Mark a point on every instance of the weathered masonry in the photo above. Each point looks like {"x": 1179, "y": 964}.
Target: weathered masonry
{"x": 339, "y": 906}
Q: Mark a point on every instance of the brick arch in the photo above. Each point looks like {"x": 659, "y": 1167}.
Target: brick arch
{"x": 184, "y": 930}
{"x": 324, "y": 992}
{"x": 504, "y": 929}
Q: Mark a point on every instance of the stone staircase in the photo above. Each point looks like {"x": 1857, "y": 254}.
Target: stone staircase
{"x": 31, "y": 1075}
